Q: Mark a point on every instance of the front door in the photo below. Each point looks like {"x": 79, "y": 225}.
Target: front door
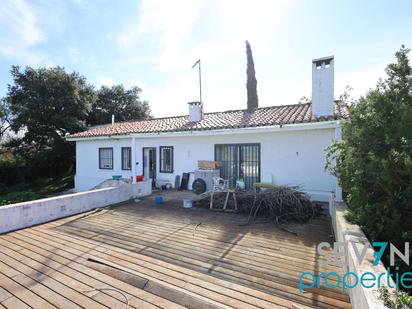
{"x": 149, "y": 163}
{"x": 239, "y": 161}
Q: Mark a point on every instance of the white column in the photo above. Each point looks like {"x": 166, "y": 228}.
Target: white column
{"x": 134, "y": 159}
{"x": 338, "y": 189}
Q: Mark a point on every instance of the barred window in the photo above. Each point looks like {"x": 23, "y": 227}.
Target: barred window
{"x": 166, "y": 159}
{"x": 106, "y": 158}
{"x": 126, "y": 158}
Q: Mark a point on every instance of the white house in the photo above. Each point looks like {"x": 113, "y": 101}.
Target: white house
{"x": 284, "y": 145}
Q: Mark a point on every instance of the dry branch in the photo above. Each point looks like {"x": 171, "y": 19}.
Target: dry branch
{"x": 279, "y": 205}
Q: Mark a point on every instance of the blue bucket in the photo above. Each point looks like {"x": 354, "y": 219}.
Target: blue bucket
{"x": 187, "y": 202}
{"x": 158, "y": 200}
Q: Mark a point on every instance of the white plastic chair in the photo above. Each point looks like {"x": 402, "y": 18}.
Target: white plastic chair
{"x": 220, "y": 184}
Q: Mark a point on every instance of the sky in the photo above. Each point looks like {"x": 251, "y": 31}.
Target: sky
{"x": 153, "y": 44}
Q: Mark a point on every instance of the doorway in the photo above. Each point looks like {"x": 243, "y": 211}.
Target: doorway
{"x": 149, "y": 164}
{"x": 239, "y": 161}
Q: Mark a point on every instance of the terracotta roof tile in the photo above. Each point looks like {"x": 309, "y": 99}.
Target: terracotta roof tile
{"x": 264, "y": 116}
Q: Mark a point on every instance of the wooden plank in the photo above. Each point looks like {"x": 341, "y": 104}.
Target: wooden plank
{"x": 137, "y": 300}
{"x": 24, "y": 295}
{"x": 36, "y": 287}
{"x": 228, "y": 223}
{"x": 272, "y": 235}
{"x": 179, "y": 297}
{"x": 33, "y": 286}
{"x": 248, "y": 231}
{"x": 138, "y": 295}
{"x": 29, "y": 268}
{"x": 212, "y": 294}
{"x": 290, "y": 285}
{"x": 188, "y": 232}
{"x": 205, "y": 231}
{"x": 43, "y": 291}
{"x": 294, "y": 291}
{"x": 14, "y": 302}
{"x": 186, "y": 239}
{"x": 225, "y": 263}
{"x": 150, "y": 286}
{"x": 273, "y": 238}
{"x": 210, "y": 254}
{"x": 238, "y": 238}
{"x": 249, "y": 262}
{"x": 80, "y": 258}
{"x": 113, "y": 272}
{"x": 4, "y": 294}
{"x": 179, "y": 280}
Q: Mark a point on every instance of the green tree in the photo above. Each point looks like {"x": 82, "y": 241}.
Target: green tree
{"x": 374, "y": 161}
{"x": 48, "y": 103}
{"x": 251, "y": 84}
{"x": 123, "y": 104}
{"x": 5, "y": 117}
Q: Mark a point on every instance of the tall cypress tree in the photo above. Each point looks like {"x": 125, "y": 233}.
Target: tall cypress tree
{"x": 251, "y": 84}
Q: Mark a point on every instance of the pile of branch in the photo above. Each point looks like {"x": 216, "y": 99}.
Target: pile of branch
{"x": 279, "y": 205}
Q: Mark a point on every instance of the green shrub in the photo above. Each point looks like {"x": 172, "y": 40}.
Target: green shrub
{"x": 49, "y": 162}
{"x": 19, "y": 196}
{"x": 12, "y": 168}
{"x": 397, "y": 300}
{"x": 8, "y": 160}
{"x": 374, "y": 161}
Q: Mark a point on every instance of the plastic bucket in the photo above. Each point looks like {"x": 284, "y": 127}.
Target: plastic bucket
{"x": 139, "y": 178}
{"x": 187, "y": 202}
{"x": 158, "y": 200}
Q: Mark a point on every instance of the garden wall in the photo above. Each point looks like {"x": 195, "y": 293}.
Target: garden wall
{"x": 22, "y": 215}
{"x": 361, "y": 297}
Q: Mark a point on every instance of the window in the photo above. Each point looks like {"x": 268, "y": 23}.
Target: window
{"x": 126, "y": 158}
{"x": 239, "y": 161}
{"x": 166, "y": 159}
{"x": 106, "y": 158}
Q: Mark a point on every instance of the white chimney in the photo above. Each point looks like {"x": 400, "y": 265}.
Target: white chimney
{"x": 195, "y": 111}
{"x": 322, "y": 86}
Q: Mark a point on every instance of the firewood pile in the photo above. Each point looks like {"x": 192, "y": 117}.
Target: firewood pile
{"x": 279, "y": 205}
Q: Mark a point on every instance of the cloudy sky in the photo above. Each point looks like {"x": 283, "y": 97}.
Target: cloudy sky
{"x": 153, "y": 44}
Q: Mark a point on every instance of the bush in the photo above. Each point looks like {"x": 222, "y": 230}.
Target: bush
{"x": 397, "y": 300}
{"x": 47, "y": 162}
{"x": 12, "y": 169}
{"x": 19, "y": 196}
{"x": 374, "y": 161}
{"x": 22, "y": 186}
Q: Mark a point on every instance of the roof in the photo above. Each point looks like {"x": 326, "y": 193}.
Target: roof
{"x": 260, "y": 117}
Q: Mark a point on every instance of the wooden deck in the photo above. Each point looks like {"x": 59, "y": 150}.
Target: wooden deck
{"x": 145, "y": 256}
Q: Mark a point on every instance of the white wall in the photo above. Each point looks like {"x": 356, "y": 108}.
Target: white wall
{"x": 25, "y": 214}
{"x": 88, "y": 174}
{"x": 287, "y": 158}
